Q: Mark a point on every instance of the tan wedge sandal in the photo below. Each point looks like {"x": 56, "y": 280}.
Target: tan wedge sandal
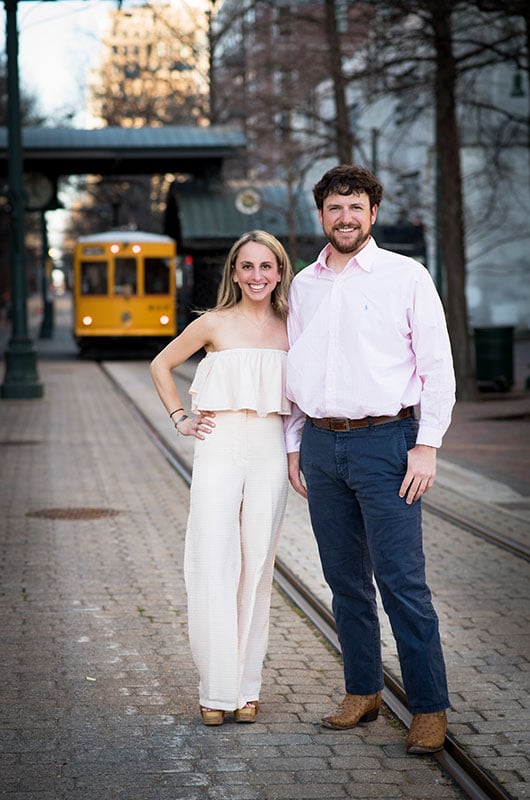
{"x": 248, "y": 713}
{"x": 212, "y": 716}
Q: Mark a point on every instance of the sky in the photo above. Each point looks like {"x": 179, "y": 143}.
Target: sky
{"x": 58, "y": 43}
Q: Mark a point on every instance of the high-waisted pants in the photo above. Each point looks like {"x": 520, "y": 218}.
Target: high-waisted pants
{"x": 237, "y": 502}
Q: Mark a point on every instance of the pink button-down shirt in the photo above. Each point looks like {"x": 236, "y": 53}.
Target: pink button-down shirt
{"x": 368, "y": 341}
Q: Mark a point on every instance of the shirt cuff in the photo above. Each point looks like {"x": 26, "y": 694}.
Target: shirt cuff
{"x": 429, "y": 436}
{"x": 292, "y": 428}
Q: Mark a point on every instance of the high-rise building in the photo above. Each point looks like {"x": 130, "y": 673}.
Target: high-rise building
{"x": 154, "y": 69}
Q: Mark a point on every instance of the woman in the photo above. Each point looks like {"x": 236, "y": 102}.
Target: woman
{"x": 239, "y": 486}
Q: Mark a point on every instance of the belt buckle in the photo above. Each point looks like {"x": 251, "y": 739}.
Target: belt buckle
{"x": 338, "y": 424}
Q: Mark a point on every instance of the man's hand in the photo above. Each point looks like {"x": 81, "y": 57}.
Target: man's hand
{"x": 421, "y": 469}
{"x": 293, "y": 461}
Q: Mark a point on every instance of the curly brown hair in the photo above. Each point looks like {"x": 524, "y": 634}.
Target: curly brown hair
{"x": 347, "y": 179}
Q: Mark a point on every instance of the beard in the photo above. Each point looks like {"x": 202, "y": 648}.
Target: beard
{"x": 351, "y": 245}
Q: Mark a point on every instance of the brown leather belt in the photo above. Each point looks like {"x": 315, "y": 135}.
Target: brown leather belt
{"x": 342, "y": 424}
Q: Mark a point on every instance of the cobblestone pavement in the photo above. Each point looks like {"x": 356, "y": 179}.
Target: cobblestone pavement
{"x": 98, "y": 690}
{"x": 98, "y": 693}
{"x": 481, "y": 594}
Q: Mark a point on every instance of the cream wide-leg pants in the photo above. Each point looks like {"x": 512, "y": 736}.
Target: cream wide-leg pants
{"x": 237, "y": 502}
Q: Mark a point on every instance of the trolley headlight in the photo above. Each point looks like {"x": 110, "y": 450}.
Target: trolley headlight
{"x": 164, "y": 319}
{"x": 87, "y": 320}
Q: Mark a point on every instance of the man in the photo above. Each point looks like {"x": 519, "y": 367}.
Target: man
{"x": 368, "y": 343}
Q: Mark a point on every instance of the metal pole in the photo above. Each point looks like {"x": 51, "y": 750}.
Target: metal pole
{"x": 46, "y": 328}
{"x": 21, "y": 380}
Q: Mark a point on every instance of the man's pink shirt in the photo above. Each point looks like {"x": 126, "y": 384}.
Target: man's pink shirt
{"x": 368, "y": 341}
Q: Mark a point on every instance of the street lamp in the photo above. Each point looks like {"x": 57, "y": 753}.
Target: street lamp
{"x": 46, "y": 327}
{"x": 21, "y": 380}
{"x": 41, "y": 195}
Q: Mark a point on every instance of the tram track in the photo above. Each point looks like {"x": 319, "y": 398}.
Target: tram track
{"x": 493, "y": 537}
{"x": 465, "y": 771}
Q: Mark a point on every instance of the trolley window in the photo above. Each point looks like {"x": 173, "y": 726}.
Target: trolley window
{"x": 156, "y": 271}
{"x": 125, "y": 276}
{"x": 94, "y": 277}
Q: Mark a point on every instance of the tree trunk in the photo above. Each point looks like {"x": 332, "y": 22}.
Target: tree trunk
{"x": 344, "y": 139}
{"x": 451, "y": 202}
{"x": 526, "y": 17}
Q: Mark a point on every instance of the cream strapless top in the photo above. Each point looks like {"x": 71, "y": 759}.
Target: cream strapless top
{"x": 241, "y": 378}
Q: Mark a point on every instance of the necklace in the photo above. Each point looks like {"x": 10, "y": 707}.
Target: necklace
{"x": 258, "y": 324}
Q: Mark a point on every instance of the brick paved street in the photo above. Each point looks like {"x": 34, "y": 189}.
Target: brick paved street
{"x": 98, "y": 691}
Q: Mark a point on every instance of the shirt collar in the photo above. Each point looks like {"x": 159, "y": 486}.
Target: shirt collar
{"x": 364, "y": 258}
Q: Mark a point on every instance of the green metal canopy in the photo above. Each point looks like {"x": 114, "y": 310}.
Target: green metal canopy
{"x": 125, "y": 151}
{"x": 216, "y": 214}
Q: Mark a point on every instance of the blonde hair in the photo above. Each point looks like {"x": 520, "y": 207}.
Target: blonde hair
{"x": 229, "y": 293}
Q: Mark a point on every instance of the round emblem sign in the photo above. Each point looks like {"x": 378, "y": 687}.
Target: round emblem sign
{"x": 248, "y": 201}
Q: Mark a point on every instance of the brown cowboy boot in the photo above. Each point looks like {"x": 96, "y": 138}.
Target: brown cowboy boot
{"x": 427, "y": 733}
{"x": 353, "y": 709}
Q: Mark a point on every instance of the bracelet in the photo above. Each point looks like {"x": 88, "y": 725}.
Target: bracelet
{"x": 180, "y": 419}
{"x": 175, "y": 411}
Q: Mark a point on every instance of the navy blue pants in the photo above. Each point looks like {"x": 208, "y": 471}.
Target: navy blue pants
{"x": 365, "y": 530}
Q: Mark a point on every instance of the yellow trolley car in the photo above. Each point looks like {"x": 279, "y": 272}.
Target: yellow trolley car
{"x": 124, "y": 288}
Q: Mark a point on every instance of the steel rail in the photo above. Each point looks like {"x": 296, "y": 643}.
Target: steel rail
{"x": 453, "y": 759}
{"x": 515, "y": 548}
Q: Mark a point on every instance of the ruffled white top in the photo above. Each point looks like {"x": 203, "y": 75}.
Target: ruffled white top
{"x": 241, "y": 378}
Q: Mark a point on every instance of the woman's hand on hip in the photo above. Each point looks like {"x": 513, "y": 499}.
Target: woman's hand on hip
{"x": 199, "y": 425}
